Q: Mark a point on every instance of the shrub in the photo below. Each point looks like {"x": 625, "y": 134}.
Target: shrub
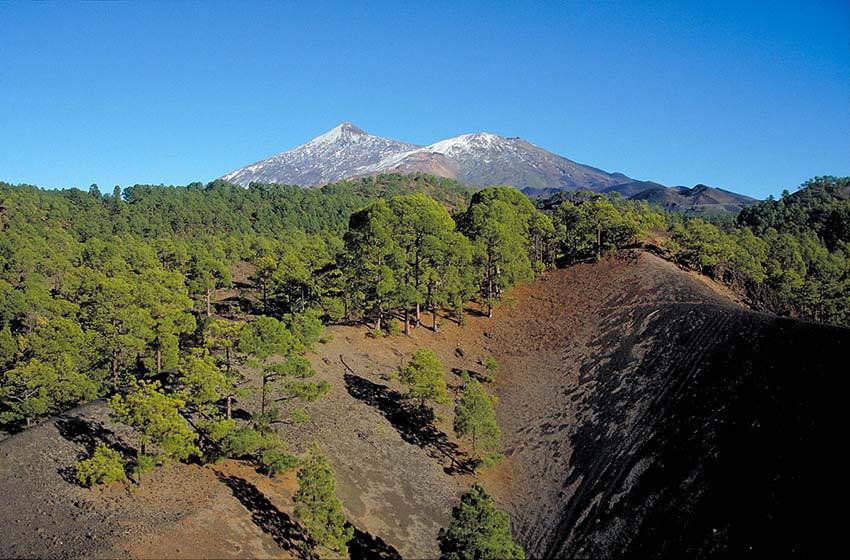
{"x": 276, "y": 460}
{"x": 490, "y": 367}
{"x": 105, "y": 466}
{"x": 242, "y": 442}
{"x": 266, "y": 449}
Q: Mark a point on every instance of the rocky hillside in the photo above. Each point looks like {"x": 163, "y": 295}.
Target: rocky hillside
{"x": 700, "y": 197}
{"x": 644, "y": 413}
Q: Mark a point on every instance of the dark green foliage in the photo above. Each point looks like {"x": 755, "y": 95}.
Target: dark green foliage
{"x": 475, "y": 418}
{"x": 592, "y": 225}
{"x": 222, "y": 337}
{"x": 279, "y": 350}
{"x": 46, "y": 370}
{"x": 202, "y": 381}
{"x": 317, "y": 507}
{"x": 790, "y": 256}
{"x": 266, "y": 337}
{"x": 97, "y": 290}
{"x": 497, "y": 224}
{"x": 478, "y": 531}
{"x": 264, "y": 447}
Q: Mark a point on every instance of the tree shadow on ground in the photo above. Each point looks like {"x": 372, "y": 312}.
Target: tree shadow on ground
{"x": 88, "y": 433}
{"x": 366, "y": 547}
{"x": 414, "y": 424}
{"x": 472, "y": 374}
{"x": 241, "y": 414}
{"x": 267, "y": 517}
{"x": 237, "y": 306}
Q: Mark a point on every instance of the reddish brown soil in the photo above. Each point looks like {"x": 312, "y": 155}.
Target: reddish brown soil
{"x": 643, "y": 412}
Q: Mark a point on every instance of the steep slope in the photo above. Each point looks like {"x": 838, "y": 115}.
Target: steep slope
{"x": 643, "y": 412}
{"x": 700, "y": 197}
{"x": 648, "y": 415}
{"x": 485, "y": 159}
{"x": 337, "y": 154}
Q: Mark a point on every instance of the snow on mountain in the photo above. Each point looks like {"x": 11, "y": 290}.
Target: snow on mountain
{"x": 476, "y": 160}
{"x": 484, "y": 159}
{"x": 337, "y": 154}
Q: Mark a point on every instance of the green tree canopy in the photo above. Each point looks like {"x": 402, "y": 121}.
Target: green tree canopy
{"x": 475, "y": 417}
{"x": 478, "y": 530}
{"x": 425, "y": 377}
{"x": 156, "y": 416}
{"x": 317, "y": 507}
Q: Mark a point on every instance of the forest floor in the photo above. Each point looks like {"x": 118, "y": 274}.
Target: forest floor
{"x": 599, "y": 365}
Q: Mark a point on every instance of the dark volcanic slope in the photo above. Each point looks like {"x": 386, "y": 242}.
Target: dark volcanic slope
{"x": 667, "y": 421}
{"x": 700, "y": 197}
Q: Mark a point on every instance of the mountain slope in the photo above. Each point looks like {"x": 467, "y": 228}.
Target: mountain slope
{"x": 339, "y": 153}
{"x": 643, "y": 414}
{"x": 484, "y": 159}
{"x": 700, "y": 197}
{"x": 476, "y": 160}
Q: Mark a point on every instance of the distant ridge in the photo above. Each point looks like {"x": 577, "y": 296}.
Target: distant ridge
{"x": 700, "y": 197}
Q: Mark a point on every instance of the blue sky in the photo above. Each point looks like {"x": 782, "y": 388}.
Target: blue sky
{"x": 749, "y": 96}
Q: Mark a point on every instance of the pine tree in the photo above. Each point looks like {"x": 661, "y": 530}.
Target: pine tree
{"x": 204, "y": 384}
{"x": 371, "y": 259}
{"x": 478, "y": 531}
{"x": 163, "y": 432}
{"x": 165, "y": 294}
{"x": 38, "y": 388}
{"x": 317, "y": 506}
{"x": 497, "y": 224}
{"x": 475, "y": 418}
{"x": 267, "y": 337}
{"x": 425, "y": 377}
{"x": 110, "y": 306}
{"x": 223, "y": 336}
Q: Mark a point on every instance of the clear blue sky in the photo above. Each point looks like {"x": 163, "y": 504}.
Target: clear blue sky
{"x": 750, "y": 96}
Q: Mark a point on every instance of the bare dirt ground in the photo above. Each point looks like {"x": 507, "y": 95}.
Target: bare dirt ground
{"x": 643, "y": 411}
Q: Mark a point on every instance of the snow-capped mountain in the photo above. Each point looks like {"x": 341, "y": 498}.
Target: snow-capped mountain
{"x": 342, "y": 152}
{"x": 476, "y": 160}
{"x": 484, "y": 159}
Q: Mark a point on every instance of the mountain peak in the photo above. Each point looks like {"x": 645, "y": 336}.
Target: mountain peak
{"x": 339, "y": 153}
{"x": 345, "y": 131}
